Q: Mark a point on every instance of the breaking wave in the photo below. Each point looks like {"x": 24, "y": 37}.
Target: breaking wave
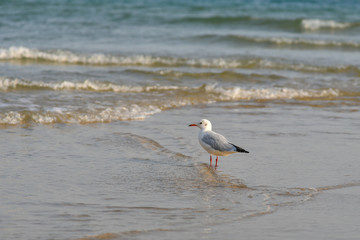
{"x": 316, "y": 24}
{"x": 169, "y": 97}
{"x": 68, "y": 57}
{"x": 238, "y": 93}
{"x": 23, "y": 54}
{"x": 224, "y": 93}
{"x": 13, "y": 84}
{"x": 58, "y": 115}
{"x": 130, "y": 102}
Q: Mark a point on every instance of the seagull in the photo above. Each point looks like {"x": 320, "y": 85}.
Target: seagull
{"x": 214, "y": 143}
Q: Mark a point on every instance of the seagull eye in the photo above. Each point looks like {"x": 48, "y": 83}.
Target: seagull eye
{"x": 200, "y": 122}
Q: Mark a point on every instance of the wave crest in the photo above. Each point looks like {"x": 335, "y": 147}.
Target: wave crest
{"x": 110, "y": 114}
{"x": 13, "y": 84}
{"x": 238, "y": 93}
{"x": 66, "y": 57}
{"x": 316, "y": 24}
{"x": 172, "y": 97}
{"x": 223, "y": 93}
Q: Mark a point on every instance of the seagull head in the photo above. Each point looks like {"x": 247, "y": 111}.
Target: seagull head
{"x": 204, "y": 124}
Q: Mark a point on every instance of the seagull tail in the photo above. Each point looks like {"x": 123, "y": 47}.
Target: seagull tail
{"x": 239, "y": 149}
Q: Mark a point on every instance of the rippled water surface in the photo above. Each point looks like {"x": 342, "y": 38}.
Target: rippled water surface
{"x": 96, "y": 99}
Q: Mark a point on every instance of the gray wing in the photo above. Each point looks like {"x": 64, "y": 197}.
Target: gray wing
{"x": 217, "y": 142}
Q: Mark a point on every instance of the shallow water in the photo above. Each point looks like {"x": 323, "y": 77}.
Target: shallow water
{"x": 95, "y": 108}
{"x": 150, "y": 179}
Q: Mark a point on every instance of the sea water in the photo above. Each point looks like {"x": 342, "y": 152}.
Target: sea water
{"x": 96, "y": 98}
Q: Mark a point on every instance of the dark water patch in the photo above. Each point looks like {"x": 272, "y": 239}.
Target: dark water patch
{"x": 284, "y": 24}
{"x": 243, "y": 22}
{"x": 182, "y": 75}
{"x": 298, "y": 42}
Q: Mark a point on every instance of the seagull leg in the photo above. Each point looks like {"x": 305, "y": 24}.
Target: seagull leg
{"x": 210, "y": 160}
{"x": 216, "y": 161}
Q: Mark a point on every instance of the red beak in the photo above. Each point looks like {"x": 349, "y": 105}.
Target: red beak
{"x": 192, "y": 125}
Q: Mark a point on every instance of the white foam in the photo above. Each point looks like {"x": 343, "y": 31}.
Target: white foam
{"x": 132, "y": 112}
{"x": 61, "y": 56}
{"x": 238, "y": 93}
{"x": 6, "y": 83}
{"x": 316, "y": 24}
{"x": 66, "y": 57}
{"x": 225, "y": 93}
{"x": 87, "y": 85}
{"x": 124, "y": 113}
{"x": 54, "y": 56}
{"x": 10, "y": 118}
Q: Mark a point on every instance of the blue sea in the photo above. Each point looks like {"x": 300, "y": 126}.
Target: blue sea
{"x": 96, "y": 98}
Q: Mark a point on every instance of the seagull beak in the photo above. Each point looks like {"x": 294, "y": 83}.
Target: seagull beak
{"x": 192, "y": 125}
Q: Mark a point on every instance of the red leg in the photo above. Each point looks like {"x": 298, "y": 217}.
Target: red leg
{"x": 216, "y": 161}
{"x": 210, "y": 160}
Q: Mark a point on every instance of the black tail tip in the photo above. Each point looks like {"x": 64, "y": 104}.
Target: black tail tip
{"x": 242, "y": 150}
{"x": 239, "y": 149}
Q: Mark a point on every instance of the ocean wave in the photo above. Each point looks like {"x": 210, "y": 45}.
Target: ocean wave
{"x": 68, "y": 57}
{"x": 286, "y": 41}
{"x": 242, "y": 20}
{"x": 224, "y": 75}
{"x": 238, "y": 93}
{"x": 173, "y": 97}
{"x": 224, "y": 93}
{"x": 282, "y": 23}
{"x": 65, "y": 57}
{"x": 316, "y": 24}
{"x": 109, "y": 114}
{"x": 7, "y": 84}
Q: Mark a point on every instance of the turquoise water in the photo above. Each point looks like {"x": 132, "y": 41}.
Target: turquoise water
{"x": 231, "y": 50}
{"x": 169, "y": 28}
{"x": 96, "y": 98}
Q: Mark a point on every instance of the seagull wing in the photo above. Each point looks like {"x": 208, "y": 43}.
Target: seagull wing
{"x": 217, "y": 142}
